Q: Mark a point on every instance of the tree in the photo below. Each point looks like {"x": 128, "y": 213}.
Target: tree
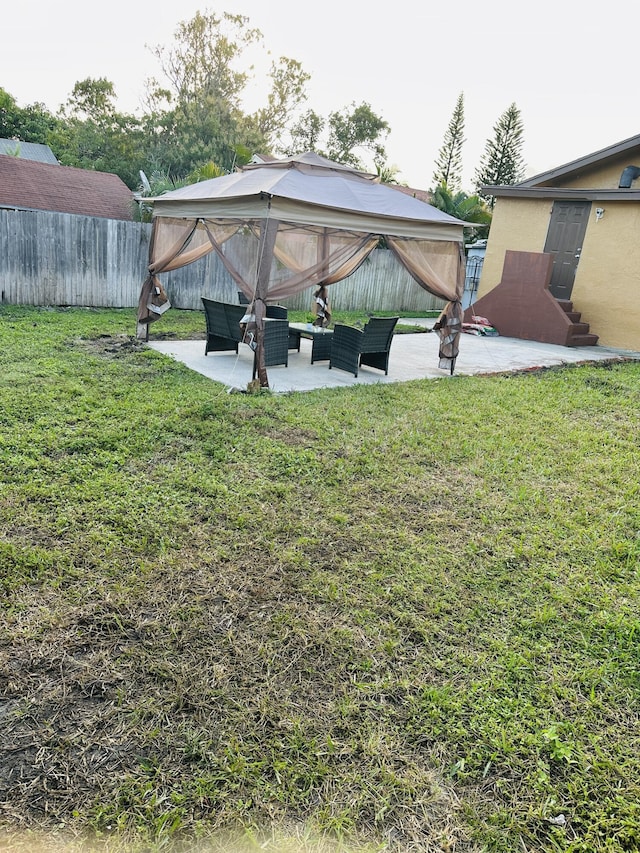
{"x": 203, "y": 58}
{"x": 468, "y": 208}
{"x": 9, "y": 112}
{"x": 204, "y": 75}
{"x": 305, "y": 134}
{"x": 87, "y": 133}
{"x": 449, "y": 163}
{"x": 344, "y": 137}
{"x": 195, "y": 132}
{"x": 354, "y": 130}
{"x": 502, "y": 163}
{"x": 160, "y": 182}
{"x": 288, "y": 80}
{"x": 32, "y": 123}
{"x": 388, "y": 174}
{"x": 92, "y": 99}
{"x": 91, "y": 134}
{"x": 196, "y": 115}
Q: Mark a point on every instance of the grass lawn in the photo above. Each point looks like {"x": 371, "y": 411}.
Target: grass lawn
{"x": 399, "y": 617}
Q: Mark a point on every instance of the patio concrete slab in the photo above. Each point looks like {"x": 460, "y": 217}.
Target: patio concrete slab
{"x": 412, "y": 357}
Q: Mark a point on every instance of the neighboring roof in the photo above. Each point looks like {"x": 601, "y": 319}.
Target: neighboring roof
{"x": 25, "y": 184}
{"x": 28, "y": 151}
{"x": 421, "y": 195}
{"x": 311, "y": 190}
{"x": 263, "y": 158}
{"x": 544, "y": 185}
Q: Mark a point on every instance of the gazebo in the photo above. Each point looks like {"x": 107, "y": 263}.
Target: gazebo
{"x": 308, "y": 221}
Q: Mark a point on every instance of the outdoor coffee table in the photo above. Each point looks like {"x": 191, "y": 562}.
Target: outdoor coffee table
{"x": 320, "y": 338}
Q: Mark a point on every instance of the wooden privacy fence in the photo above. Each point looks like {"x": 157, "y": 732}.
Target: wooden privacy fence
{"x": 62, "y": 259}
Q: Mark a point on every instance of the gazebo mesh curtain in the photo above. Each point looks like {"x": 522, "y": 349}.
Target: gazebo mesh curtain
{"x": 439, "y": 267}
{"x": 304, "y": 255}
{"x": 177, "y": 243}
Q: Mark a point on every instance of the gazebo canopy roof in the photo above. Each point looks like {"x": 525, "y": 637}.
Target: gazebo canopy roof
{"x": 310, "y": 190}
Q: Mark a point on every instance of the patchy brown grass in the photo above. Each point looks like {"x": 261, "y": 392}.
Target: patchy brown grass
{"x": 214, "y": 637}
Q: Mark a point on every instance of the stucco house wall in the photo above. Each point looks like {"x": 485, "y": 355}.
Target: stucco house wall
{"x": 517, "y": 225}
{"x": 601, "y": 177}
{"x": 606, "y": 289}
{"x": 607, "y": 284}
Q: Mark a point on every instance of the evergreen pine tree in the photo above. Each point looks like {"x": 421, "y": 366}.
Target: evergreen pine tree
{"x": 502, "y": 163}
{"x": 449, "y": 163}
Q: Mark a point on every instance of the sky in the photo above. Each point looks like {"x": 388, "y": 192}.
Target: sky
{"x": 570, "y": 67}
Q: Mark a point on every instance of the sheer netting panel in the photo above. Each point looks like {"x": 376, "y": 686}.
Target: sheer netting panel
{"x": 240, "y": 256}
{"x": 436, "y": 265}
{"x": 178, "y": 242}
{"x": 306, "y": 255}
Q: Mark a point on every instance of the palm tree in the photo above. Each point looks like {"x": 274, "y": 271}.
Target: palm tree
{"x": 205, "y": 172}
{"x": 468, "y": 208}
{"x": 161, "y": 182}
{"x": 387, "y": 174}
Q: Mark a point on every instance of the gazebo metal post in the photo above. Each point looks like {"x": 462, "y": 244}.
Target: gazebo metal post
{"x": 268, "y": 234}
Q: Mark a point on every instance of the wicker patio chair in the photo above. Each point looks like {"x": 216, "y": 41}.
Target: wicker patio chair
{"x": 279, "y": 312}
{"x": 276, "y": 342}
{"x": 352, "y": 348}
{"x": 225, "y": 333}
{"x": 223, "y": 325}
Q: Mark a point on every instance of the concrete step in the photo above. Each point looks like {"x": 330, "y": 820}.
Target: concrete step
{"x": 578, "y": 329}
{"x": 582, "y": 341}
{"x": 579, "y": 335}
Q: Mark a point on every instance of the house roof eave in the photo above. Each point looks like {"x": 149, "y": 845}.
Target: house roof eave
{"x": 561, "y": 193}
